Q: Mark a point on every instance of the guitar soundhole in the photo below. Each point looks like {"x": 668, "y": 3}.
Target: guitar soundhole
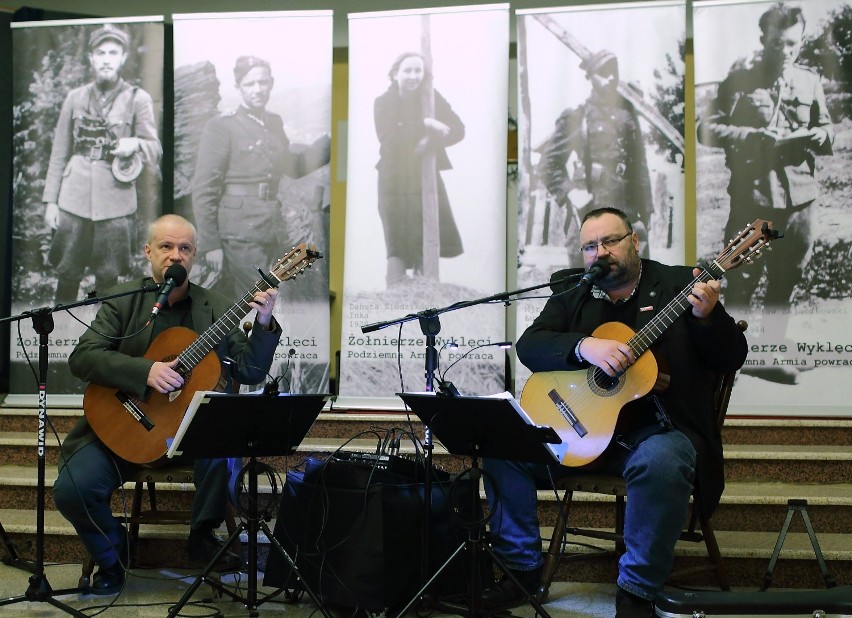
{"x": 602, "y": 384}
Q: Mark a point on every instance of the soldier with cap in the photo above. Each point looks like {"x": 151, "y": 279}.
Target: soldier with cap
{"x": 595, "y": 156}
{"x": 771, "y": 119}
{"x": 106, "y": 132}
{"x": 241, "y": 159}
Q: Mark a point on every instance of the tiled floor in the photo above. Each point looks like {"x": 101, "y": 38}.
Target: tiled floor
{"x": 153, "y": 592}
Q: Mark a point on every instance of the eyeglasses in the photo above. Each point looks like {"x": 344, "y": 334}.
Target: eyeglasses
{"x": 606, "y": 243}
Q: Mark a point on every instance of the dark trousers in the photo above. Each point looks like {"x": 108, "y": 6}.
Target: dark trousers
{"x": 85, "y": 485}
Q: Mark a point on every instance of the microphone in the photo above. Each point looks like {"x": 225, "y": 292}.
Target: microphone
{"x": 175, "y": 276}
{"x": 596, "y": 271}
{"x": 270, "y": 388}
{"x": 290, "y": 354}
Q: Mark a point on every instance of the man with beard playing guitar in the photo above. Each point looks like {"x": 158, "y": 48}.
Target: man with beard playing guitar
{"x": 659, "y": 455}
{"x": 110, "y": 353}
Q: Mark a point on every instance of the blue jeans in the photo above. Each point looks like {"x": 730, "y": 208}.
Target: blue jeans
{"x": 85, "y": 484}
{"x": 659, "y": 470}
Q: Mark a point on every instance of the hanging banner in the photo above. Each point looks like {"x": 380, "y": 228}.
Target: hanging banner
{"x": 772, "y": 95}
{"x": 600, "y": 123}
{"x": 426, "y": 204}
{"x": 87, "y": 121}
{"x": 252, "y": 127}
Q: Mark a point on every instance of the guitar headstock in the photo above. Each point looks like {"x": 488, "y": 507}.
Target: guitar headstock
{"x": 297, "y": 260}
{"x": 748, "y": 245}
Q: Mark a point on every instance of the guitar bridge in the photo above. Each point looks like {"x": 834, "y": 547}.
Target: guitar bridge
{"x": 135, "y": 411}
{"x": 567, "y": 414}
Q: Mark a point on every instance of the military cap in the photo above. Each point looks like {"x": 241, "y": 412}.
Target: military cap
{"x": 600, "y": 63}
{"x": 246, "y": 64}
{"x": 106, "y": 32}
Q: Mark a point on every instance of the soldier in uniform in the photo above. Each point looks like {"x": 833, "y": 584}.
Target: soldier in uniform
{"x": 241, "y": 158}
{"x": 772, "y": 120}
{"x": 596, "y": 155}
{"x": 106, "y": 132}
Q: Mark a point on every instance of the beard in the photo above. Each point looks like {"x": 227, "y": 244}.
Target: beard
{"x": 106, "y": 79}
{"x": 621, "y": 271}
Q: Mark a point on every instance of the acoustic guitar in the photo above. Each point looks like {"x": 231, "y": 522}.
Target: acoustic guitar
{"x": 137, "y": 430}
{"x": 583, "y": 406}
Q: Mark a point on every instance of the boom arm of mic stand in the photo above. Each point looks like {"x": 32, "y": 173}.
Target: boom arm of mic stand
{"x": 504, "y": 297}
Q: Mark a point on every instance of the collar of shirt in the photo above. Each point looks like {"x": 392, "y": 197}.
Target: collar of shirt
{"x": 602, "y": 295}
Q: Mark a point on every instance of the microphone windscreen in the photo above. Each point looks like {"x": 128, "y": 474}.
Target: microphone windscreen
{"x": 176, "y": 272}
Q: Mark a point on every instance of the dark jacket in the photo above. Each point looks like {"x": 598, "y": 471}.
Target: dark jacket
{"x": 120, "y": 364}
{"x": 692, "y": 352}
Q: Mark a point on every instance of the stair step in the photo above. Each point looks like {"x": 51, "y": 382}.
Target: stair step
{"x": 812, "y": 463}
{"x": 19, "y": 413}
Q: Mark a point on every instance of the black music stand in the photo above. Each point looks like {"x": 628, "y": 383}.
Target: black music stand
{"x": 493, "y": 427}
{"x": 247, "y": 425}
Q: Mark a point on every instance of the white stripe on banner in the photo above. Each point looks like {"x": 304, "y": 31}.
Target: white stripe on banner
{"x": 252, "y": 127}
{"x": 772, "y": 146}
{"x": 415, "y": 175}
{"x": 63, "y": 139}
{"x": 577, "y": 151}
{"x": 87, "y": 22}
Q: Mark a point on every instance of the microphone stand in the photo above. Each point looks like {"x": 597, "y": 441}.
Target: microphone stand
{"x": 430, "y": 326}
{"x": 39, "y": 588}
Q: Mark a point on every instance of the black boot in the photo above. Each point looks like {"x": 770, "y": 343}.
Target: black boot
{"x": 506, "y": 594}
{"x": 628, "y": 605}
{"x": 203, "y": 546}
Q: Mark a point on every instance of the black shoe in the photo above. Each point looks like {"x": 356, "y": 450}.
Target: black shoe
{"x": 108, "y": 580}
{"x": 203, "y": 546}
{"x": 628, "y": 605}
{"x": 506, "y": 594}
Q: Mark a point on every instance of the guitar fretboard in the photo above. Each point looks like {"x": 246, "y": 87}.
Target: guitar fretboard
{"x": 211, "y": 337}
{"x": 646, "y": 336}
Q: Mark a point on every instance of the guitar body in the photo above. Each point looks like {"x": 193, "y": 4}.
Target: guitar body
{"x": 593, "y": 397}
{"x": 121, "y": 432}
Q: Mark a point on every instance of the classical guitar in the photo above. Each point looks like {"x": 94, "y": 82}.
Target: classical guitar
{"x": 583, "y": 406}
{"x": 137, "y": 430}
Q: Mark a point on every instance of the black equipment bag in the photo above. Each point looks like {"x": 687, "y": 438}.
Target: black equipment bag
{"x": 828, "y": 603}
{"x": 353, "y": 526}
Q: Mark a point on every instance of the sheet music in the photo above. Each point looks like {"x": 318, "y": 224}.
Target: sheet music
{"x": 197, "y": 399}
{"x": 558, "y": 451}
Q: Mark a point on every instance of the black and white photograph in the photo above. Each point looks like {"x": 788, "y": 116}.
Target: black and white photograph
{"x": 252, "y": 150}
{"x": 773, "y": 125}
{"x": 600, "y": 123}
{"x": 88, "y": 101}
{"x": 426, "y": 194}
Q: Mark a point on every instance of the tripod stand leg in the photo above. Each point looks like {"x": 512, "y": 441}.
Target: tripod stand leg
{"x": 203, "y": 576}
{"x": 826, "y": 576}
{"x": 531, "y": 596}
{"x": 278, "y": 547}
{"x": 429, "y": 583}
{"x": 11, "y": 557}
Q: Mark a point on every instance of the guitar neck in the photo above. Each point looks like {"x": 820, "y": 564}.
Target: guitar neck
{"x": 211, "y": 337}
{"x": 646, "y": 337}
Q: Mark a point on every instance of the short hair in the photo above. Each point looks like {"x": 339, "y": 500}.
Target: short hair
{"x": 599, "y": 212}
{"x": 152, "y": 227}
{"x": 403, "y": 56}
{"x": 781, "y": 17}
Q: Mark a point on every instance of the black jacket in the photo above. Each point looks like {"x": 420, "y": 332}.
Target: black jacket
{"x": 692, "y": 352}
